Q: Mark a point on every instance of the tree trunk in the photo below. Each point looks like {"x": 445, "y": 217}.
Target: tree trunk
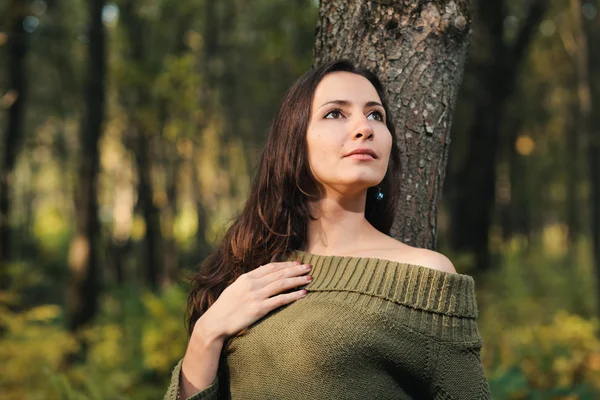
{"x": 151, "y": 213}
{"x": 475, "y": 194}
{"x": 588, "y": 101}
{"x": 516, "y": 203}
{"x": 418, "y": 49}
{"x": 171, "y": 164}
{"x": 83, "y": 261}
{"x": 15, "y": 99}
{"x": 208, "y": 99}
{"x": 203, "y": 247}
{"x": 573, "y": 181}
{"x": 138, "y": 99}
{"x": 171, "y": 256}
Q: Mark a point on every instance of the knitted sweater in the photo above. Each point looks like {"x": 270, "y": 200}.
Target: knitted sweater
{"x": 367, "y": 329}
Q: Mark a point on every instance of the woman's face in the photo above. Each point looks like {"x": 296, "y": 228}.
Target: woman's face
{"x": 347, "y": 116}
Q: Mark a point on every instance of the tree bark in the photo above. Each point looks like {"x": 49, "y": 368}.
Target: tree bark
{"x": 418, "y": 50}
{"x": 15, "y": 100}
{"x": 83, "y": 254}
{"x": 475, "y": 193}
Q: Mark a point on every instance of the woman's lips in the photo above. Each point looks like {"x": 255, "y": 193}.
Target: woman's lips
{"x": 361, "y": 157}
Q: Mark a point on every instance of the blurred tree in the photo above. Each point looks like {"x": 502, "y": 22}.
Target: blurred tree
{"x": 83, "y": 253}
{"x": 573, "y": 40}
{"x": 138, "y": 99}
{"x": 208, "y": 102}
{"x": 172, "y": 161}
{"x": 589, "y": 100}
{"x": 15, "y": 99}
{"x": 418, "y": 49}
{"x": 473, "y": 194}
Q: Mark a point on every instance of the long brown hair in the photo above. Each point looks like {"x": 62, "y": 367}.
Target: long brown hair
{"x": 273, "y": 222}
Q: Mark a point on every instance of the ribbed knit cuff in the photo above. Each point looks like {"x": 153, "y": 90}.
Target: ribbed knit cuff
{"x": 210, "y": 393}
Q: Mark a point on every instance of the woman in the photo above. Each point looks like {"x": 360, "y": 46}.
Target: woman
{"x": 308, "y": 296}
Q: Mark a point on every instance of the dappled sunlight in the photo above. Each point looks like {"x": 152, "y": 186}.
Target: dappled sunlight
{"x": 51, "y": 228}
{"x": 555, "y": 240}
{"x": 186, "y": 226}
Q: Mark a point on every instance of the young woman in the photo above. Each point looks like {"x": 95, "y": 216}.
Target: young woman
{"x": 308, "y": 297}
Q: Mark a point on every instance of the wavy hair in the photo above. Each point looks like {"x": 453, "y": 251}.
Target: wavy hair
{"x": 273, "y": 222}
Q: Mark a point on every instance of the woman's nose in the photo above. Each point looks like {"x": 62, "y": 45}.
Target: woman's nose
{"x": 362, "y": 129}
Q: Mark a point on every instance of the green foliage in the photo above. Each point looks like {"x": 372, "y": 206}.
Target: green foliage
{"x": 540, "y": 339}
{"x": 546, "y": 361}
{"x": 130, "y": 349}
{"x": 33, "y": 346}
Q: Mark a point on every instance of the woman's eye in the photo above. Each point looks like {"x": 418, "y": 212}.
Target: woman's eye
{"x": 378, "y": 116}
{"x": 333, "y": 114}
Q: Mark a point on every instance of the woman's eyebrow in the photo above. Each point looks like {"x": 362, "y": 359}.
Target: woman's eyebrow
{"x": 346, "y": 102}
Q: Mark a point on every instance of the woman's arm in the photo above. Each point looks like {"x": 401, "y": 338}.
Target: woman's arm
{"x": 195, "y": 376}
{"x": 201, "y": 361}
{"x": 252, "y": 296}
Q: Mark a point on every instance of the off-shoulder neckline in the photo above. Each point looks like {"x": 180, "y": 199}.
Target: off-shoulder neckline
{"x": 416, "y": 286}
{"x": 378, "y": 259}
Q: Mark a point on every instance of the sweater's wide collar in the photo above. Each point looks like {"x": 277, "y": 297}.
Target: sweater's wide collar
{"x": 410, "y": 285}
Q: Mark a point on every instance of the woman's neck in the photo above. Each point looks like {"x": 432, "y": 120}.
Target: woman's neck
{"x": 340, "y": 227}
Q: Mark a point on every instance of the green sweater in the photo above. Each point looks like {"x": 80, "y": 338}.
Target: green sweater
{"x": 367, "y": 329}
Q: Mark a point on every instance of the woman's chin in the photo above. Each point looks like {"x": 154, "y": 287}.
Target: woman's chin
{"x": 365, "y": 182}
{"x": 355, "y": 187}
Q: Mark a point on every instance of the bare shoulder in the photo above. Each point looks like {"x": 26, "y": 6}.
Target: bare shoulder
{"x": 403, "y": 253}
{"x": 433, "y": 259}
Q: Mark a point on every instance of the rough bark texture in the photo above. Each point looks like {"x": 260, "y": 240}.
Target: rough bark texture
{"x": 418, "y": 49}
{"x": 83, "y": 255}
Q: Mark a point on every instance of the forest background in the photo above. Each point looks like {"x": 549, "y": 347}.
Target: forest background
{"x": 190, "y": 89}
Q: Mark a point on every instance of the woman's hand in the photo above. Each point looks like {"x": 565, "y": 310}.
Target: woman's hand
{"x": 252, "y": 296}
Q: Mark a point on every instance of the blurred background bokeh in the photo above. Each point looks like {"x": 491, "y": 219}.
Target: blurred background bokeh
{"x": 190, "y": 89}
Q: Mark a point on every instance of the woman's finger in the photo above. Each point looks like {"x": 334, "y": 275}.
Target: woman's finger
{"x": 271, "y": 268}
{"x": 281, "y": 285}
{"x": 291, "y": 271}
{"x": 281, "y": 300}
